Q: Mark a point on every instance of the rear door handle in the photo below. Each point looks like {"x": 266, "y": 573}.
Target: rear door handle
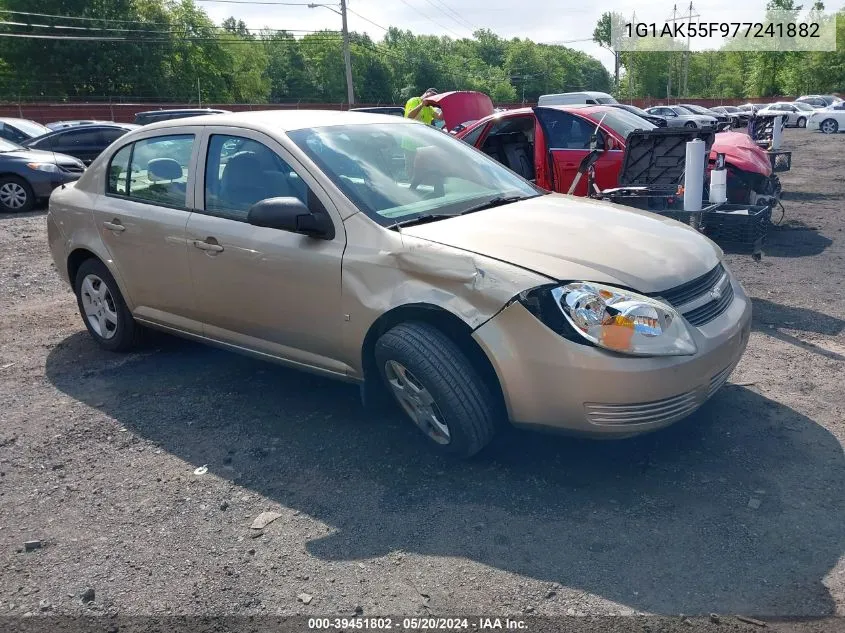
{"x": 114, "y": 225}
{"x": 208, "y": 246}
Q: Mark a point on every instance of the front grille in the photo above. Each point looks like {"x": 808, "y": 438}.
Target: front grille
{"x": 688, "y": 292}
{"x": 72, "y": 169}
{"x": 679, "y": 295}
{"x": 663, "y": 411}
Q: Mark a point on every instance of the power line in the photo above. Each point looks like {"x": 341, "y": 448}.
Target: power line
{"x": 287, "y": 4}
{"x": 144, "y": 40}
{"x": 366, "y": 19}
{"x": 152, "y": 32}
{"x": 458, "y": 19}
{"x": 428, "y": 18}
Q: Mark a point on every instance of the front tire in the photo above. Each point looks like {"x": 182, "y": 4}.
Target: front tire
{"x": 802, "y": 122}
{"x": 16, "y": 195}
{"x": 103, "y": 309}
{"x": 829, "y": 126}
{"x": 691, "y": 125}
{"x": 437, "y": 387}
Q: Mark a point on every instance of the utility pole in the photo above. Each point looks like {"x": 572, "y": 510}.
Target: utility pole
{"x": 689, "y": 17}
{"x": 347, "y": 60}
{"x": 671, "y": 59}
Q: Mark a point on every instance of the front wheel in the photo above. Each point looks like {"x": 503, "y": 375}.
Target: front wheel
{"x": 690, "y": 125}
{"x": 103, "y": 309}
{"x": 15, "y": 195}
{"x": 437, "y": 387}
{"x": 829, "y": 126}
{"x": 802, "y": 122}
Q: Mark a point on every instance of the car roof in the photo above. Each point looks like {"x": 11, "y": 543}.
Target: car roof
{"x": 180, "y": 110}
{"x": 7, "y": 119}
{"x": 95, "y": 126}
{"x": 283, "y": 120}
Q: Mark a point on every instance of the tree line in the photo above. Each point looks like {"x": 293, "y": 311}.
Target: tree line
{"x": 170, "y": 50}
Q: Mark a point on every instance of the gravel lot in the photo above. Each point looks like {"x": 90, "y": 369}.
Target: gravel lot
{"x": 738, "y": 510}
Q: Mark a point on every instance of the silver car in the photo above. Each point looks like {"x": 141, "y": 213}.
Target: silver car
{"x": 677, "y": 116}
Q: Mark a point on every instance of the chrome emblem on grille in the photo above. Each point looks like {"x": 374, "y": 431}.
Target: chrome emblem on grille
{"x": 716, "y": 294}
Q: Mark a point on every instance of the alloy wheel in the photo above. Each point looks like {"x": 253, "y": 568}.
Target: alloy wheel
{"x": 99, "y": 306}
{"x": 829, "y": 126}
{"x": 417, "y": 402}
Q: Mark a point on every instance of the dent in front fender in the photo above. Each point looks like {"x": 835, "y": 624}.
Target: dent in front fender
{"x": 384, "y": 269}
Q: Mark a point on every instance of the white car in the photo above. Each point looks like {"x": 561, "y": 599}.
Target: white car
{"x": 829, "y": 120}
{"x": 793, "y": 115}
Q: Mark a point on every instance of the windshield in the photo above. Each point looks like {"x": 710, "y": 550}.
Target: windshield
{"x": 605, "y": 100}
{"x": 695, "y": 109}
{"x": 622, "y": 122}
{"x": 682, "y": 110}
{"x": 8, "y": 146}
{"x": 730, "y": 109}
{"x": 401, "y": 171}
{"x": 30, "y": 128}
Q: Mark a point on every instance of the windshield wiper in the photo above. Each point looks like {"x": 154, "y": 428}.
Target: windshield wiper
{"x": 420, "y": 219}
{"x": 498, "y": 202}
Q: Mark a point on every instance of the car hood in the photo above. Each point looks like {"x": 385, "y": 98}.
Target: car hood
{"x": 569, "y": 238}
{"x": 740, "y": 151}
{"x": 40, "y": 156}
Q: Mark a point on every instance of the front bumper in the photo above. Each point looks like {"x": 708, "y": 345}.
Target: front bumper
{"x": 552, "y": 383}
{"x": 813, "y": 124}
{"x": 43, "y": 183}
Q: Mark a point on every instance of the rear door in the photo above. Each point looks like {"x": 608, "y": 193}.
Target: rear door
{"x": 567, "y": 143}
{"x": 141, "y": 219}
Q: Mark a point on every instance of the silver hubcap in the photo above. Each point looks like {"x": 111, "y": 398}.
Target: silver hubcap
{"x": 417, "y": 402}
{"x": 12, "y": 195}
{"x": 99, "y": 306}
{"x": 828, "y": 127}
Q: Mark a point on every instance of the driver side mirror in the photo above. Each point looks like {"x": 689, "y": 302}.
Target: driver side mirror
{"x": 290, "y": 214}
{"x": 594, "y": 143}
{"x": 610, "y": 144}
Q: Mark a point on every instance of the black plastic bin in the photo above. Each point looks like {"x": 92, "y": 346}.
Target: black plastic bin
{"x": 738, "y": 227}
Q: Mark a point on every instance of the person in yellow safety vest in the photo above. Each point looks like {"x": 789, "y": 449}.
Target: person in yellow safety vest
{"x": 419, "y": 109}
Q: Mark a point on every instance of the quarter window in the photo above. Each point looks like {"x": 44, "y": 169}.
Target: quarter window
{"x": 119, "y": 172}
{"x": 240, "y": 172}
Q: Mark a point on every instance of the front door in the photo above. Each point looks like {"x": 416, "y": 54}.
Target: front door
{"x": 259, "y": 288}
{"x": 141, "y": 219}
{"x": 566, "y": 140}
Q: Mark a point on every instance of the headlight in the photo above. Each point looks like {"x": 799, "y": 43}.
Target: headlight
{"x": 611, "y": 318}
{"x": 50, "y": 167}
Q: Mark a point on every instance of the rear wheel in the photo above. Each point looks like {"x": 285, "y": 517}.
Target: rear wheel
{"x": 103, "y": 309}
{"x": 690, "y": 125}
{"x": 829, "y": 126}
{"x": 437, "y": 387}
{"x": 802, "y": 122}
{"x": 15, "y": 195}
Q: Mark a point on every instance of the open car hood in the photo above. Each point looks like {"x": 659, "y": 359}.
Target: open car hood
{"x": 741, "y": 152}
{"x": 462, "y": 106}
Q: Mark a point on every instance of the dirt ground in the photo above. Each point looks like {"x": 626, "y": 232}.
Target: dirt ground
{"x": 738, "y": 510}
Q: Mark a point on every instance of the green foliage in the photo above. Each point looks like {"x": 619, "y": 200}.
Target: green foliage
{"x": 174, "y": 52}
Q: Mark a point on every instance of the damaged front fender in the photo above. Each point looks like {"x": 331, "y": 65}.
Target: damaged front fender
{"x": 399, "y": 270}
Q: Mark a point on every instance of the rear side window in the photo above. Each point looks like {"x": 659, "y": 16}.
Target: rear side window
{"x": 78, "y": 138}
{"x": 153, "y": 170}
{"x": 473, "y": 136}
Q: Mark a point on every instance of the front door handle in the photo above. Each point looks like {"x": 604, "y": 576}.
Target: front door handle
{"x": 214, "y": 247}
{"x": 114, "y": 225}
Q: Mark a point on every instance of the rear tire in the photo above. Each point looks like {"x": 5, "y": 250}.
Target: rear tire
{"x": 802, "y": 122}
{"x": 103, "y": 310}
{"x": 437, "y": 387}
{"x": 16, "y": 195}
{"x": 829, "y": 126}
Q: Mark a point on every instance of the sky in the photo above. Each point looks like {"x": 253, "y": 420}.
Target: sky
{"x": 560, "y": 22}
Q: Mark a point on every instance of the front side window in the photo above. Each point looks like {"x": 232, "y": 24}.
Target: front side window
{"x": 153, "y": 170}
{"x": 472, "y": 136}
{"x": 401, "y": 171}
{"x": 565, "y": 131}
{"x": 240, "y": 172}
